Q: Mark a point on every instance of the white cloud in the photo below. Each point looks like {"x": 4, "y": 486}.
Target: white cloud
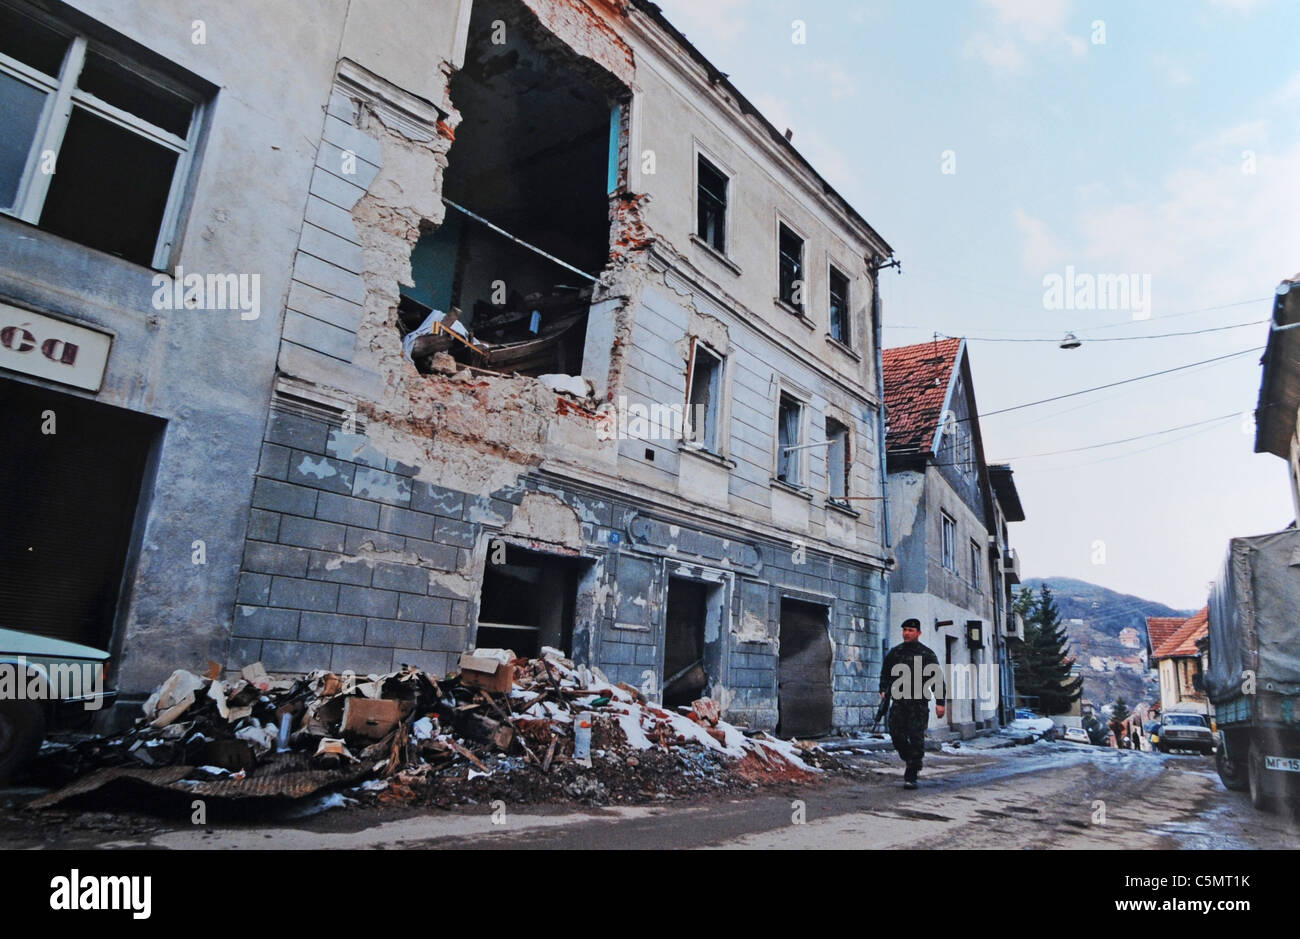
{"x": 1021, "y": 25}
{"x": 1171, "y": 71}
{"x": 837, "y": 81}
{"x": 1037, "y": 20}
{"x": 1237, "y": 6}
{"x": 1040, "y": 251}
{"x": 1210, "y": 234}
{"x": 1290, "y": 91}
{"x": 839, "y": 169}
{"x": 718, "y": 20}
{"x": 1003, "y": 54}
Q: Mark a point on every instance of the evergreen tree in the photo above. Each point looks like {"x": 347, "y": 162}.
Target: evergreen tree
{"x": 1120, "y": 710}
{"x": 1042, "y": 662}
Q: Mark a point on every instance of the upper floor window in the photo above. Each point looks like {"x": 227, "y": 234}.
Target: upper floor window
{"x": 711, "y": 205}
{"x": 789, "y": 440}
{"x": 837, "y": 460}
{"x": 95, "y": 148}
{"x": 704, "y": 396}
{"x": 790, "y": 261}
{"x": 976, "y": 562}
{"x": 839, "y": 290}
{"x": 949, "y": 542}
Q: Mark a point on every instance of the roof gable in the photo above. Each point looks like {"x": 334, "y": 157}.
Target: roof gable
{"x": 917, "y": 383}
{"x": 1182, "y": 641}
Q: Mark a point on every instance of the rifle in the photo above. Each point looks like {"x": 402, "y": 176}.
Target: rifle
{"x": 881, "y": 713}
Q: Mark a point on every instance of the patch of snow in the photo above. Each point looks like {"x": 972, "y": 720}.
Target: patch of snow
{"x": 630, "y": 721}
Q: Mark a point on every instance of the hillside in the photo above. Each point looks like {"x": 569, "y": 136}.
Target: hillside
{"x": 1094, "y": 617}
{"x": 1104, "y": 610}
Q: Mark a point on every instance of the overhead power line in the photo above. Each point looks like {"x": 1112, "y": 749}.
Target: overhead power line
{"x": 1124, "y": 381}
{"x": 1057, "y": 339}
{"x": 1128, "y": 322}
{"x": 1115, "y": 443}
{"x": 1108, "y": 443}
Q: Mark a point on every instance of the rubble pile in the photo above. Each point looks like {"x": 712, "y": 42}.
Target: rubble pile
{"x": 502, "y": 727}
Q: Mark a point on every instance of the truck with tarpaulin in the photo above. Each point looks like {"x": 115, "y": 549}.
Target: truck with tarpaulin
{"x": 1254, "y": 672}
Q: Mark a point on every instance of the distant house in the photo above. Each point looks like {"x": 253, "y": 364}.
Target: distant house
{"x": 1179, "y": 662}
{"x": 948, "y": 514}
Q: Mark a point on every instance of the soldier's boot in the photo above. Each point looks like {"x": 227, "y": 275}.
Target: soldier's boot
{"x": 909, "y": 775}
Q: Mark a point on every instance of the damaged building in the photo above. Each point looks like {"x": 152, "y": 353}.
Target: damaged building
{"x": 560, "y": 343}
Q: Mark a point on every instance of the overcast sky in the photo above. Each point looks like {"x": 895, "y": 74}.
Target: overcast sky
{"x": 995, "y": 143}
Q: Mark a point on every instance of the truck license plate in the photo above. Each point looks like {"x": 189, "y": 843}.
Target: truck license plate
{"x": 1285, "y": 763}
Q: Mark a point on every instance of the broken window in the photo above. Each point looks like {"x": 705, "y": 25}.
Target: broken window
{"x": 106, "y": 169}
{"x": 790, "y": 260}
{"x": 839, "y": 313}
{"x": 789, "y": 426}
{"x": 837, "y": 460}
{"x": 506, "y": 282}
{"x": 704, "y": 396}
{"x": 711, "y": 199}
{"x": 528, "y": 600}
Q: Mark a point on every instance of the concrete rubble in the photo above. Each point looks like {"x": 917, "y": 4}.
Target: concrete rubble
{"x": 502, "y": 726}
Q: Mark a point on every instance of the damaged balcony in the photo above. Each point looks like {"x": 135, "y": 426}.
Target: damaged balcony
{"x": 505, "y": 283}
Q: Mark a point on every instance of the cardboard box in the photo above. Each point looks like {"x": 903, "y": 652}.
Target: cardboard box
{"x": 370, "y": 718}
{"x": 486, "y": 673}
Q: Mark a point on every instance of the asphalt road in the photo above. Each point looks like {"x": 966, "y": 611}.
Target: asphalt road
{"x": 1048, "y": 795}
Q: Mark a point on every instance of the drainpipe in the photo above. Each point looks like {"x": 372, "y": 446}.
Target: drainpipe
{"x": 877, "y": 265}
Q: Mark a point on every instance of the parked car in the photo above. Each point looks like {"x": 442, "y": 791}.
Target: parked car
{"x": 1186, "y": 732}
{"x": 1076, "y": 735}
{"x": 45, "y": 684}
{"x": 1028, "y": 722}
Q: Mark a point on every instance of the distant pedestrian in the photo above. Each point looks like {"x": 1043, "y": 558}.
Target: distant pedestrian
{"x": 909, "y": 676}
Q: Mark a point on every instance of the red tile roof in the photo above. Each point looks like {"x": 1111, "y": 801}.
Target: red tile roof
{"x": 1183, "y": 640}
{"x": 1160, "y": 628}
{"x": 916, "y": 385}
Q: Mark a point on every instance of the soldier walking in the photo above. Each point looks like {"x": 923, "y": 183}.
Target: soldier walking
{"x": 909, "y": 676}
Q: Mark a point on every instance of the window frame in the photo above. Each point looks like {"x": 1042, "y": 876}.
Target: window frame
{"x": 846, "y": 461}
{"x": 702, "y": 157}
{"x": 64, "y": 95}
{"x": 799, "y": 308}
{"x": 716, "y": 406}
{"x": 833, "y": 270}
{"x": 976, "y": 562}
{"x": 797, "y": 456}
{"x": 948, "y": 545}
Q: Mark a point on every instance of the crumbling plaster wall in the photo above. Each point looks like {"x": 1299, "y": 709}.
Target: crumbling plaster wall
{"x": 471, "y": 430}
{"x": 367, "y": 543}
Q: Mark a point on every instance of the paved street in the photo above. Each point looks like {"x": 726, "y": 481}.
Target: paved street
{"x": 1048, "y": 795}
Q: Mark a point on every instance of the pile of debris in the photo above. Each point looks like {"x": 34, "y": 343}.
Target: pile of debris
{"x": 540, "y": 729}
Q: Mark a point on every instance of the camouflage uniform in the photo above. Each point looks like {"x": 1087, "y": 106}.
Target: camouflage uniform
{"x": 909, "y": 715}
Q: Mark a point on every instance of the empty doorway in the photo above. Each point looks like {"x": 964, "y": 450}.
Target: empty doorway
{"x": 688, "y": 670}
{"x": 71, "y": 476}
{"x": 804, "y": 684}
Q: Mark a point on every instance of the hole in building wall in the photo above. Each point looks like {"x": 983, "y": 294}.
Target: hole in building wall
{"x": 529, "y": 602}
{"x": 690, "y": 663}
{"x": 533, "y": 164}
